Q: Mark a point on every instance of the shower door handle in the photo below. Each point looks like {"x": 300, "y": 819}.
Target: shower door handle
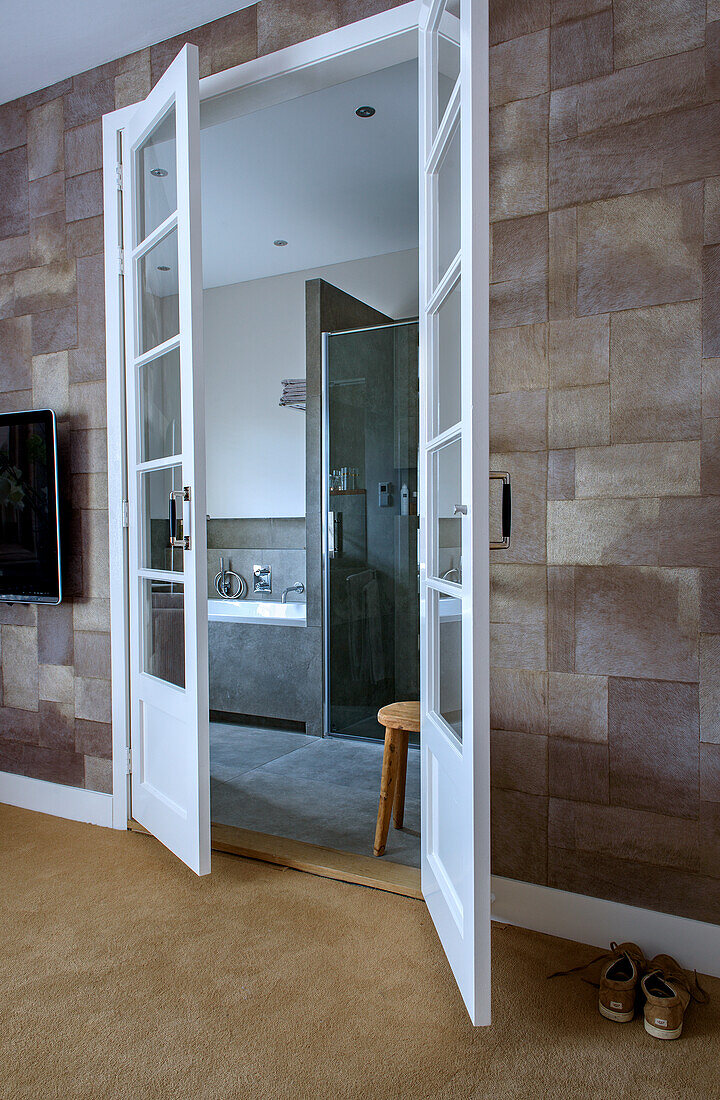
{"x": 506, "y": 507}
{"x": 176, "y": 541}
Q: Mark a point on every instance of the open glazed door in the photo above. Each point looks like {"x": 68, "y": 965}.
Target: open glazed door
{"x": 169, "y": 724}
{"x": 454, "y": 527}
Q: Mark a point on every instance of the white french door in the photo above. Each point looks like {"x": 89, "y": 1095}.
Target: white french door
{"x": 170, "y": 784}
{"x": 454, "y": 528}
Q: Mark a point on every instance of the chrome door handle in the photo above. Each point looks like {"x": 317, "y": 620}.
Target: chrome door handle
{"x": 176, "y": 541}
{"x": 502, "y": 475}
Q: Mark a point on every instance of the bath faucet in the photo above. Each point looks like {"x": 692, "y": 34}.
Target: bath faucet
{"x": 297, "y": 587}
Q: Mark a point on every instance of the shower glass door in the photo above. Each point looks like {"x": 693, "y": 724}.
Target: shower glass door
{"x": 370, "y": 397}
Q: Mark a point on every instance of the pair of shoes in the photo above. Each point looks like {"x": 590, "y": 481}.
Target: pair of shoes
{"x": 626, "y": 977}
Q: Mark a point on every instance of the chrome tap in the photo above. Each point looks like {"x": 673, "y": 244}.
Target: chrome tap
{"x": 297, "y": 587}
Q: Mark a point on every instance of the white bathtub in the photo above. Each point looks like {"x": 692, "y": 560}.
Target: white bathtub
{"x": 268, "y": 612}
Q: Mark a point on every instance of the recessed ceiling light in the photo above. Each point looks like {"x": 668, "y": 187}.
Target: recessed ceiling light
{"x": 163, "y": 267}
{"x": 279, "y": 243}
{"x": 159, "y": 172}
{"x": 365, "y": 112}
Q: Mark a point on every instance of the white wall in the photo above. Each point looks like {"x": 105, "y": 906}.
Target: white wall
{"x": 255, "y": 337}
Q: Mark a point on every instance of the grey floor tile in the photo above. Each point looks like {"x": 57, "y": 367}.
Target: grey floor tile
{"x": 238, "y": 749}
{"x": 325, "y": 792}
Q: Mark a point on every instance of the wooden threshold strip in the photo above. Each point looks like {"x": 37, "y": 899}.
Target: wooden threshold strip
{"x": 394, "y": 878}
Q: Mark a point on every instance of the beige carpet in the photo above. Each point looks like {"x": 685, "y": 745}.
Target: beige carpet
{"x": 124, "y": 976}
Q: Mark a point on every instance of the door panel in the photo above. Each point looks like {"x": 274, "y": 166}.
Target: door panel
{"x": 454, "y": 534}
{"x": 166, "y": 460}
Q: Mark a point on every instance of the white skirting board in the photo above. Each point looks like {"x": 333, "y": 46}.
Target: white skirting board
{"x": 56, "y": 799}
{"x": 695, "y": 944}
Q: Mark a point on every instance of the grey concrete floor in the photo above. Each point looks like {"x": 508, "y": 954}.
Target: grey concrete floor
{"x": 323, "y": 790}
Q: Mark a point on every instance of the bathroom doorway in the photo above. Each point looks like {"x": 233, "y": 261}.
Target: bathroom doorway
{"x": 167, "y": 719}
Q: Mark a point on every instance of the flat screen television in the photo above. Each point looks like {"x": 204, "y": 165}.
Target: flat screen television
{"x": 29, "y": 509}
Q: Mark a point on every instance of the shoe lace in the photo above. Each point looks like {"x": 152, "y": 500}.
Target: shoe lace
{"x": 681, "y": 977}
{"x": 613, "y": 953}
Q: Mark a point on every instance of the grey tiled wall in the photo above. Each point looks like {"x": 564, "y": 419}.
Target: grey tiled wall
{"x": 245, "y": 543}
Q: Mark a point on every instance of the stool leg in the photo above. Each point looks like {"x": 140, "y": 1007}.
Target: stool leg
{"x": 387, "y": 790}
{"x": 399, "y": 803}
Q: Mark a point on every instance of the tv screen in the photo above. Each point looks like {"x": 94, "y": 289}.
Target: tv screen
{"x": 29, "y": 513}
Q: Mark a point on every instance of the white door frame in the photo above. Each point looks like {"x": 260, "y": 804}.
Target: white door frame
{"x": 366, "y": 46}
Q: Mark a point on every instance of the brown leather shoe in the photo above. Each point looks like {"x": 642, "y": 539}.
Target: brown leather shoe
{"x": 620, "y": 973}
{"x": 619, "y": 981}
{"x": 668, "y": 990}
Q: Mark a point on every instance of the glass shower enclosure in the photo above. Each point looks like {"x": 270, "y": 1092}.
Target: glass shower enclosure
{"x": 370, "y": 456}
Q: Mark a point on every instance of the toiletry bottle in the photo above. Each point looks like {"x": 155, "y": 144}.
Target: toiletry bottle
{"x": 404, "y": 500}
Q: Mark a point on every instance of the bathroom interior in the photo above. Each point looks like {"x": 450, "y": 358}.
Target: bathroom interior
{"x": 311, "y": 410}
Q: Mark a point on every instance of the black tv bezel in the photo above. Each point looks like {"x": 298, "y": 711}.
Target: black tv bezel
{"x": 48, "y": 416}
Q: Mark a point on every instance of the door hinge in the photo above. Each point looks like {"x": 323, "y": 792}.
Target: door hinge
{"x": 119, "y": 176}
{"x": 126, "y": 513}
{"x": 121, "y": 261}
{"x": 128, "y": 761}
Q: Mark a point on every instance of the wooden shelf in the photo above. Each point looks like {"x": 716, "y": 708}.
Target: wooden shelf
{"x": 347, "y": 492}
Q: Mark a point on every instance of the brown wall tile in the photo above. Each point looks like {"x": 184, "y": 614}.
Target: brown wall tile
{"x": 711, "y": 301}
{"x": 14, "y": 221}
{"x": 19, "y": 725}
{"x": 47, "y": 238}
{"x": 14, "y": 253}
{"x": 20, "y": 667}
{"x": 13, "y": 125}
{"x": 83, "y": 149}
{"x": 603, "y": 532}
{"x": 518, "y": 421}
{"x": 15, "y": 353}
{"x": 92, "y": 655}
{"x": 561, "y": 618}
{"x": 662, "y": 403}
{"x": 85, "y": 238}
{"x": 56, "y": 726}
{"x": 710, "y": 459}
{"x": 87, "y": 364}
{"x": 519, "y": 835}
{"x": 561, "y": 475}
{"x": 563, "y": 10}
{"x": 562, "y": 266}
{"x": 689, "y": 532}
{"x": 47, "y": 196}
{"x": 45, "y": 139}
{"x": 579, "y": 351}
{"x": 710, "y": 688}
{"x": 515, "y": 647}
{"x": 518, "y": 359}
{"x": 513, "y": 18}
{"x": 84, "y": 196}
{"x": 54, "y": 330}
{"x": 712, "y": 60}
{"x": 520, "y": 248}
{"x": 579, "y": 417}
{"x": 581, "y": 50}
{"x": 630, "y": 94}
{"x": 519, "y": 68}
{"x": 92, "y": 96}
{"x": 653, "y": 734}
{"x": 577, "y": 770}
{"x": 710, "y": 601}
{"x": 518, "y": 594}
{"x": 518, "y": 761}
{"x": 710, "y": 773}
{"x": 518, "y": 158}
{"x": 638, "y": 470}
{"x": 711, "y": 220}
{"x": 93, "y": 738}
{"x": 640, "y": 250}
{"x": 645, "y": 29}
{"x": 615, "y": 831}
{"x": 518, "y": 700}
{"x": 578, "y": 707}
{"x": 281, "y": 23}
{"x": 640, "y": 622}
{"x": 49, "y": 287}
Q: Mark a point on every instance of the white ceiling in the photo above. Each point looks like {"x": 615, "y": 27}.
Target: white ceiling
{"x": 309, "y": 171}
{"x": 45, "y": 41}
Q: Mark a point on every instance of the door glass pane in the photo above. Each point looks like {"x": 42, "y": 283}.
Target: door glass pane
{"x": 449, "y": 648}
{"x": 163, "y": 617}
{"x": 155, "y": 501}
{"x": 447, "y": 363}
{"x": 158, "y": 293}
{"x": 155, "y": 164}
{"x": 447, "y": 55}
{"x": 448, "y": 206}
{"x": 447, "y": 491}
{"x": 160, "y": 433}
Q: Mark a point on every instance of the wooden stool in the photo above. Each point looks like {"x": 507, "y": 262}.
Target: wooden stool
{"x": 399, "y": 720}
